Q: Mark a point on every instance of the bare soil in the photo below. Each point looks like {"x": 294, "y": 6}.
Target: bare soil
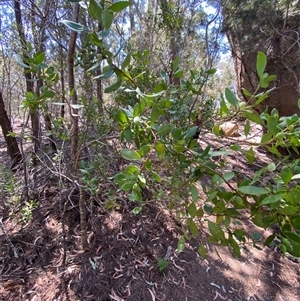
{"x": 43, "y": 260}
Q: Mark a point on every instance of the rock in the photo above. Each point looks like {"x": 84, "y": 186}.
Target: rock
{"x": 229, "y": 129}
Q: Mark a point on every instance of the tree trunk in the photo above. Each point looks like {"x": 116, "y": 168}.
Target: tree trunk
{"x": 75, "y": 153}
{"x": 34, "y": 116}
{"x": 11, "y": 142}
{"x": 71, "y": 80}
{"x": 39, "y": 37}
{"x": 277, "y": 36}
{"x": 99, "y": 81}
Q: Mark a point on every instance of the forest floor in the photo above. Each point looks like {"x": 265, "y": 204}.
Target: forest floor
{"x": 42, "y": 258}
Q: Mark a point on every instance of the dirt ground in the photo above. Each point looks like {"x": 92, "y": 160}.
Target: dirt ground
{"x": 42, "y": 259}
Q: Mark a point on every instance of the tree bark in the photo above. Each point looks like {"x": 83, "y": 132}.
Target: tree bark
{"x": 11, "y": 142}
{"x": 34, "y": 116}
{"x": 71, "y": 81}
{"x": 39, "y": 37}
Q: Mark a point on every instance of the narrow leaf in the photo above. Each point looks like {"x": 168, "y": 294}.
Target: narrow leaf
{"x": 261, "y": 63}
{"x": 113, "y": 87}
{"x": 202, "y": 251}
{"x": 118, "y": 6}
{"x": 247, "y": 128}
{"x": 74, "y": 26}
{"x": 272, "y": 199}
{"x": 194, "y": 192}
{"x": 286, "y": 174}
{"x": 175, "y": 64}
{"x": 250, "y": 155}
{"x": 231, "y": 98}
{"x": 131, "y": 155}
{"x": 95, "y": 10}
{"x": 192, "y": 227}
{"x": 181, "y": 244}
{"x": 107, "y": 17}
{"x": 252, "y": 190}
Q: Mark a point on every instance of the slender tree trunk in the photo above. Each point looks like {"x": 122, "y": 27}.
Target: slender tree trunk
{"x": 39, "y": 38}
{"x": 71, "y": 80}
{"x": 11, "y": 142}
{"x": 99, "y": 81}
{"x": 34, "y": 116}
{"x": 62, "y": 83}
{"x": 75, "y": 128}
{"x": 131, "y": 17}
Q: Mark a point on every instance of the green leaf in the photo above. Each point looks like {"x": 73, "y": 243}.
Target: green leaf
{"x": 154, "y": 113}
{"x": 107, "y": 17}
{"x": 216, "y": 130}
{"x": 260, "y": 99}
{"x": 155, "y": 176}
{"x": 246, "y": 92}
{"x": 107, "y": 73}
{"x": 95, "y": 10}
{"x": 211, "y": 71}
{"x": 231, "y": 98}
{"x": 271, "y": 166}
{"x": 177, "y": 133}
{"x": 178, "y": 73}
{"x": 272, "y": 124}
{"x": 288, "y": 210}
{"x": 235, "y": 246}
{"x": 191, "y": 132}
{"x": 38, "y": 58}
{"x": 121, "y": 117}
{"x": 175, "y": 64}
{"x": 160, "y": 87}
{"x": 160, "y": 150}
{"x": 127, "y": 186}
{"x": 194, "y": 192}
{"x": 126, "y": 61}
{"x": 208, "y": 208}
{"x": 192, "y": 227}
{"x": 165, "y": 129}
{"x": 94, "y": 39}
{"x": 247, "y": 128}
{"x": 250, "y": 155}
{"x": 216, "y": 231}
{"x": 73, "y": 25}
{"x": 292, "y": 236}
{"x": 113, "y": 87}
{"x": 133, "y": 169}
{"x": 269, "y": 240}
{"x": 192, "y": 209}
{"x": 261, "y": 63}
{"x": 22, "y": 65}
{"x": 299, "y": 103}
{"x": 145, "y": 149}
{"x": 220, "y": 207}
{"x": 286, "y": 174}
{"x": 256, "y": 236}
{"x": 223, "y": 105}
{"x": 128, "y": 134}
{"x": 118, "y": 6}
{"x": 202, "y": 251}
{"x": 228, "y": 176}
{"x": 266, "y": 138}
{"x": 181, "y": 244}
{"x": 253, "y": 117}
{"x": 136, "y": 210}
{"x": 130, "y": 155}
{"x": 252, "y": 190}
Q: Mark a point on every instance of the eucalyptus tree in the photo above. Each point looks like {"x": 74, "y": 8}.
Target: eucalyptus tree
{"x": 271, "y": 27}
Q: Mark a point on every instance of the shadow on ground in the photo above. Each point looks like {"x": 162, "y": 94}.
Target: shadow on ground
{"x": 121, "y": 263}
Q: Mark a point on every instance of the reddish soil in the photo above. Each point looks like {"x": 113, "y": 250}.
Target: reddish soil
{"x": 42, "y": 259}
